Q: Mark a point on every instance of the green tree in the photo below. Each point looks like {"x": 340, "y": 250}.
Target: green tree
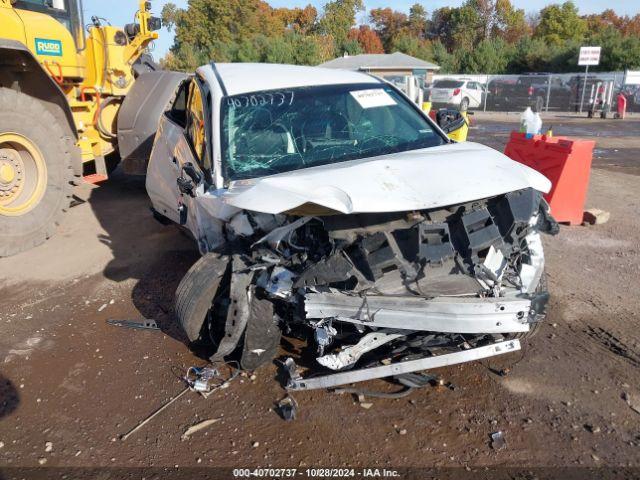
{"x": 418, "y": 21}
{"x": 448, "y": 62}
{"x": 490, "y": 56}
{"x": 414, "y": 46}
{"x": 338, "y": 19}
{"x": 559, "y": 23}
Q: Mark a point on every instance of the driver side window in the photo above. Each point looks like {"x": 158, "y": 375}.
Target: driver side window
{"x": 195, "y": 130}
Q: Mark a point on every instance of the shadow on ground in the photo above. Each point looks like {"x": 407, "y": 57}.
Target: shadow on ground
{"x": 152, "y": 255}
{"x": 9, "y": 397}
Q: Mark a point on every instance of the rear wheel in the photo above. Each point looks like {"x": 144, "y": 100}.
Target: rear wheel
{"x": 35, "y": 172}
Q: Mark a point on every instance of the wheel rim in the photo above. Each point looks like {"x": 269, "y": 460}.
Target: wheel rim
{"x": 23, "y": 175}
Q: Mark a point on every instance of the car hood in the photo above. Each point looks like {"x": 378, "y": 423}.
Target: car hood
{"x": 414, "y": 180}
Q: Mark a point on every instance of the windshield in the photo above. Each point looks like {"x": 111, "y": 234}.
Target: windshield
{"x": 448, "y": 84}
{"x": 264, "y": 133}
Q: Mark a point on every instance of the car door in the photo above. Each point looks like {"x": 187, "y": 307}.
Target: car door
{"x": 180, "y": 169}
{"x": 163, "y": 169}
{"x": 475, "y": 95}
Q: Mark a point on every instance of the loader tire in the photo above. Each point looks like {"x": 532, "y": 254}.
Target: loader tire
{"x": 36, "y": 172}
{"x": 196, "y": 293}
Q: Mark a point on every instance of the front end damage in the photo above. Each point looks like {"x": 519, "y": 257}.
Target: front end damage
{"x": 376, "y": 295}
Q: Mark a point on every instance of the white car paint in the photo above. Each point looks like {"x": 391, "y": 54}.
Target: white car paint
{"x": 453, "y": 96}
{"x": 242, "y": 78}
{"x": 414, "y": 180}
{"x": 419, "y": 179}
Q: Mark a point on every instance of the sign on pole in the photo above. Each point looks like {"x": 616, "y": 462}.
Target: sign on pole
{"x": 589, "y": 56}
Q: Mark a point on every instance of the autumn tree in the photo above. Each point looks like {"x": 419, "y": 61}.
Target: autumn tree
{"x": 388, "y": 24}
{"x": 338, "y": 18}
{"x": 368, "y": 40}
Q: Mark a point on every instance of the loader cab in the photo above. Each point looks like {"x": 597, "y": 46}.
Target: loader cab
{"x": 67, "y": 12}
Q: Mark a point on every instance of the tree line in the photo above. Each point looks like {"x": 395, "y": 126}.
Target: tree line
{"x": 480, "y": 36}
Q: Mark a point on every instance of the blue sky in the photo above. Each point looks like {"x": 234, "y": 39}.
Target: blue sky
{"x": 119, "y": 12}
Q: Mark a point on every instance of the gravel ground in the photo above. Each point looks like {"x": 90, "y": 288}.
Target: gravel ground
{"x": 70, "y": 384}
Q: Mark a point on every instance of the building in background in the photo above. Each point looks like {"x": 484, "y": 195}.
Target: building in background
{"x": 386, "y": 65}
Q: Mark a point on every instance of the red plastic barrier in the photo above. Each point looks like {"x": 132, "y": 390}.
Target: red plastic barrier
{"x": 565, "y": 162}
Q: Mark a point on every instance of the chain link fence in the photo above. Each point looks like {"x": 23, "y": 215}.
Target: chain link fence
{"x": 544, "y": 92}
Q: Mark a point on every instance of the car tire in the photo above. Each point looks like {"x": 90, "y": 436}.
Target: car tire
{"x": 196, "y": 293}
{"x": 464, "y": 104}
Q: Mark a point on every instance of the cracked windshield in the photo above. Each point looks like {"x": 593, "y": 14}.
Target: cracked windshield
{"x": 276, "y": 131}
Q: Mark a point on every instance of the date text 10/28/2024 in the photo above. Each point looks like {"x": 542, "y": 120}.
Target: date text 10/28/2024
{"x": 315, "y": 473}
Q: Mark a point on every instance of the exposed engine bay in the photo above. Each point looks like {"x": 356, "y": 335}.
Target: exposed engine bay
{"x": 377, "y": 294}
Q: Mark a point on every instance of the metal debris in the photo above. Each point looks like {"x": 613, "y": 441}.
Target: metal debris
{"x": 197, "y": 427}
{"x": 632, "y": 401}
{"x": 144, "y": 325}
{"x": 498, "y": 441}
{"x": 288, "y": 408}
{"x": 206, "y": 380}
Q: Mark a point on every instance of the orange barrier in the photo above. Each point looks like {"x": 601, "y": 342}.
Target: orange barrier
{"x": 565, "y": 162}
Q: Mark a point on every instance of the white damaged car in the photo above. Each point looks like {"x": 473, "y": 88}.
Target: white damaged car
{"x": 329, "y": 208}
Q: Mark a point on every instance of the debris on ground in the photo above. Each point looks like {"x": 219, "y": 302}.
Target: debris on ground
{"x": 288, "y": 408}
{"x": 595, "y": 216}
{"x": 632, "y": 401}
{"x": 153, "y": 415}
{"x": 48, "y": 447}
{"x": 206, "y": 380}
{"x": 498, "y": 441}
{"x": 592, "y": 428}
{"x": 197, "y": 427}
{"x": 143, "y": 325}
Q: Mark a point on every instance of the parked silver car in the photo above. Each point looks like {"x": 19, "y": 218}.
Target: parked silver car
{"x": 462, "y": 94}
{"x": 329, "y": 208}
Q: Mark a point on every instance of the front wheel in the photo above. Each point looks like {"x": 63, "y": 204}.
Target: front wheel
{"x": 36, "y": 172}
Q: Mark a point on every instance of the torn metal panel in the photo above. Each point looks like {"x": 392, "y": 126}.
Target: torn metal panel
{"x": 239, "y": 309}
{"x": 279, "y": 283}
{"x": 442, "y": 314}
{"x": 350, "y": 355}
{"x": 296, "y": 382}
{"x": 274, "y": 237}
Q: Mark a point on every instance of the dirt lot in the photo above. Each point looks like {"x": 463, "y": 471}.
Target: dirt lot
{"x": 68, "y": 378}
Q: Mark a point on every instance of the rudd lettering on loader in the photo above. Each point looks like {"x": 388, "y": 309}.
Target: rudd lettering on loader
{"x": 48, "y": 47}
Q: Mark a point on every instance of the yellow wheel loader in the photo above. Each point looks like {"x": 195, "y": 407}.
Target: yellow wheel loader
{"x": 62, "y": 86}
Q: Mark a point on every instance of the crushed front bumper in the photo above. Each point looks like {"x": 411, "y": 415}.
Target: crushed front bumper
{"x": 440, "y": 314}
{"x": 296, "y": 382}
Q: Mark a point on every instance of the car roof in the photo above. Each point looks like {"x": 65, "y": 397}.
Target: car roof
{"x": 239, "y": 78}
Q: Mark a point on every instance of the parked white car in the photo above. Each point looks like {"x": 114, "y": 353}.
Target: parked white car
{"x": 462, "y": 94}
{"x": 330, "y": 208}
